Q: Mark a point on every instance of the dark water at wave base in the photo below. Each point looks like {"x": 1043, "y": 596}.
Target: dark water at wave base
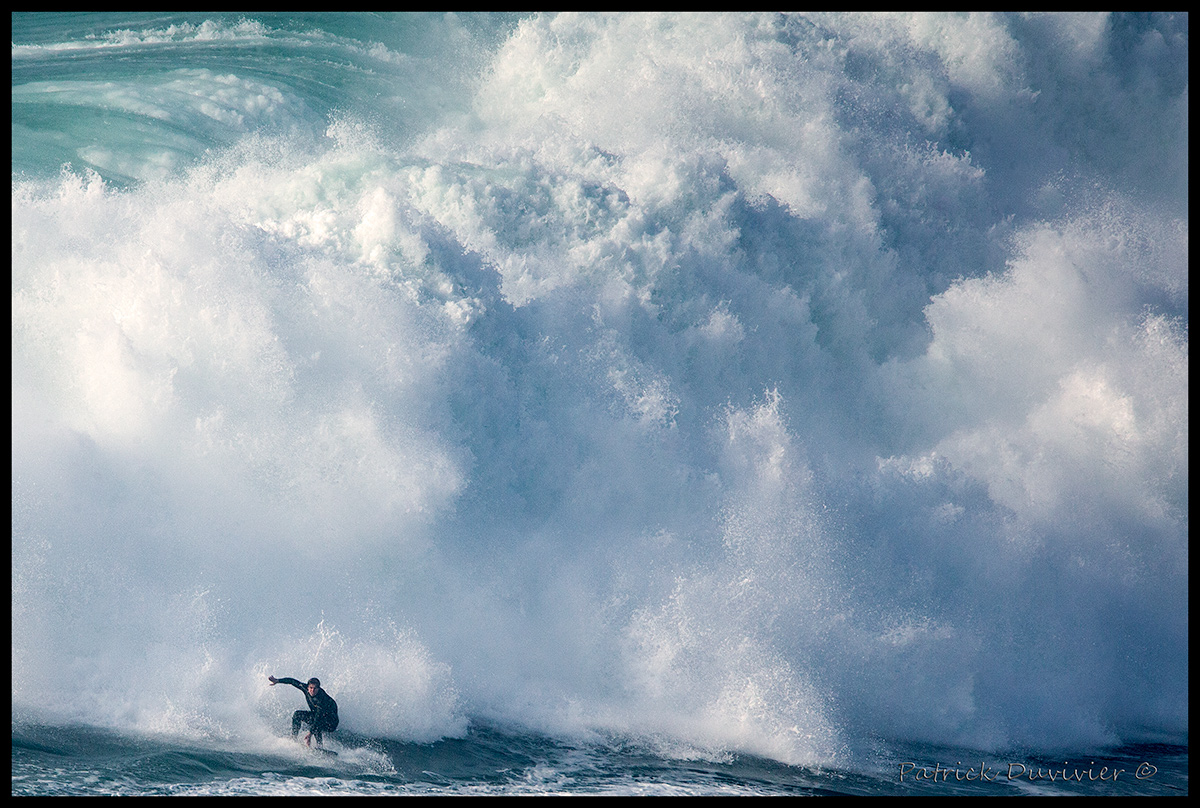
{"x": 81, "y": 761}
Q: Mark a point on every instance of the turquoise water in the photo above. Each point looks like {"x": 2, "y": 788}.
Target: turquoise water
{"x": 600, "y": 403}
{"x": 137, "y": 97}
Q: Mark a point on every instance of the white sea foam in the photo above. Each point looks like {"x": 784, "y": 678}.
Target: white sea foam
{"x": 739, "y": 382}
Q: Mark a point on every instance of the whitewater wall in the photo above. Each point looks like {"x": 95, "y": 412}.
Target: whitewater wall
{"x": 727, "y": 382}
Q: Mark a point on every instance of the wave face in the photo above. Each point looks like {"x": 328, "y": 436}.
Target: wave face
{"x": 758, "y": 383}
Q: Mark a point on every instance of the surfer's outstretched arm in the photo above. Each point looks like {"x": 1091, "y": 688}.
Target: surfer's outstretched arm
{"x": 287, "y": 680}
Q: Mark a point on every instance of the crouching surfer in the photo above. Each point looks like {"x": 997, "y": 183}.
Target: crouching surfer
{"x": 321, "y": 715}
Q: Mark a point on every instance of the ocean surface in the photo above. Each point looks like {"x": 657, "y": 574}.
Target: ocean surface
{"x": 600, "y": 404}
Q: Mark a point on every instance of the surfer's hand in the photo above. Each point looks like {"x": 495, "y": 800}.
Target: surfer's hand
{"x": 273, "y": 680}
{"x": 308, "y": 739}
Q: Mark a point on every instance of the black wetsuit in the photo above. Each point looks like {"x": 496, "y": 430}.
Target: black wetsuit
{"x": 321, "y": 714}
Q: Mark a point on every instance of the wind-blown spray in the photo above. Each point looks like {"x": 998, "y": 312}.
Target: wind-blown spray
{"x": 725, "y": 382}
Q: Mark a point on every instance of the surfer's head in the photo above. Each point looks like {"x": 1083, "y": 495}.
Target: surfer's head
{"x": 314, "y": 684}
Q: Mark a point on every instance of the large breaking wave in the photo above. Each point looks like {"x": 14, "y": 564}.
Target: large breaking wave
{"x": 723, "y": 382}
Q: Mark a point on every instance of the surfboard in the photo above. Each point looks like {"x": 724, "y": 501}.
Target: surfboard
{"x": 319, "y": 750}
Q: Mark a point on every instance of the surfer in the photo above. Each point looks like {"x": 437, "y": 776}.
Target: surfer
{"x": 321, "y": 715}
